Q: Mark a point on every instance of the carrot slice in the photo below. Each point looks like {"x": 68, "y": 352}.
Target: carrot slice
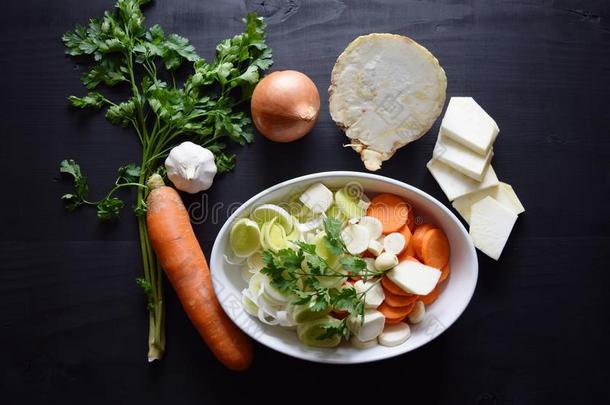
{"x": 430, "y": 298}
{"x": 393, "y": 288}
{"x": 391, "y": 210}
{"x": 445, "y": 273}
{"x": 394, "y": 321}
{"x": 435, "y": 248}
{"x": 418, "y": 237}
{"x": 394, "y": 313}
{"x": 395, "y": 300}
{"x": 411, "y": 218}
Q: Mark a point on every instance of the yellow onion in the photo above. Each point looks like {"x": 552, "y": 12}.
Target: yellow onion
{"x": 285, "y": 106}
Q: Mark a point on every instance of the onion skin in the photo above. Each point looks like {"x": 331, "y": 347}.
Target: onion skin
{"x": 285, "y": 106}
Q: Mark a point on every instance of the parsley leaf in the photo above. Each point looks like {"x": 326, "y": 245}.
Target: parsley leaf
{"x": 332, "y": 239}
{"x": 91, "y": 100}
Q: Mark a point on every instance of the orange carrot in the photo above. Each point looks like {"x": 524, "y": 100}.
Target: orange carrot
{"x": 445, "y": 273}
{"x": 393, "y": 288}
{"x": 391, "y": 210}
{"x": 411, "y": 218}
{"x": 430, "y": 298}
{"x": 408, "y": 253}
{"x": 435, "y": 248}
{"x": 395, "y": 313}
{"x": 389, "y": 321}
{"x": 395, "y": 300}
{"x": 178, "y": 251}
{"x": 418, "y": 237}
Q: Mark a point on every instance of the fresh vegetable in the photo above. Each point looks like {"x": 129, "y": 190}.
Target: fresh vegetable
{"x": 460, "y": 165}
{"x": 418, "y": 313}
{"x": 391, "y": 210}
{"x": 418, "y": 238}
{"x": 431, "y": 296}
{"x": 386, "y": 91}
{"x": 445, "y": 273}
{"x": 490, "y": 226}
{"x": 178, "y": 251}
{"x": 467, "y": 123}
{"x": 324, "y": 279}
{"x": 205, "y": 107}
{"x": 435, "y": 248}
{"x": 285, "y": 106}
{"x": 395, "y": 335}
{"x": 190, "y": 167}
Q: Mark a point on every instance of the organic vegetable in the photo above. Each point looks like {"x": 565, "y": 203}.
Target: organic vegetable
{"x": 245, "y": 238}
{"x": 431, "y": 296}
{"x": 394, "y": 242}
{"x": 417, "y": 315}
{"x": 393, "y": 288}
{"x": 396, "y": 300}
{"x": 445, "y": 273}
{"x": 205, "y": 107}
{"x": 190, "y": 167}
{"x": 435, "y": 248}
{"x": 285, "y": 106}
{"x": 394, "y": 335}
{"x": 395, "y": 314}
{"x": 391, "y": 210}
{"x": 418, "y": 237}
{"x": 386, "y": 91}
{"x": 173, "y": 240}
{"x": 386, "y": 261}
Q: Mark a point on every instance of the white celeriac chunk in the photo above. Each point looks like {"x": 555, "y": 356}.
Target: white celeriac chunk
{"x": 375, "y": 247}
{"x": 414, "y": 277}
{"x": 467, "y": 123}
{"x": 373, "y": 293}
{"x": 490, "y": 226}
{"x": 462, "y": 159}
{"x": 394, "y": 335}
{"x": 385, "y": 261}
{"x": 454, "y": 184}
{"x": 356, "y": 238}
{"x": 369, "y": 328}
{"x": 317, "y": 198}
{"x": 359, "y": 344}
{"x": 418, "y": 312}
{"x": 394, "y": 243}
{"x": 386, "y": 91}
{"x": 374, "y": 226}
{"x": 502, "y": 193}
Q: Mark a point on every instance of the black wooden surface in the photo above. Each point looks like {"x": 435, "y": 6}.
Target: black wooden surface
{"x": 73, "y": 324}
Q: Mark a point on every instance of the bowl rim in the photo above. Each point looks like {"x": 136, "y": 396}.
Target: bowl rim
{"x": 325, "y": 175}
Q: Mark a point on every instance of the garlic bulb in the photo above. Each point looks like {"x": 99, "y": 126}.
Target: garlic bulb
{"x": 190, "y": 167}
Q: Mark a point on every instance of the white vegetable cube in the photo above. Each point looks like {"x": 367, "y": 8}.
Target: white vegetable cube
{"x": 503, "y": 193}
{"x": 461, "y": 158}
{"x": 490, "y": 226}
{"x": 373, "y": 293}
{"x": 454, "y": 184}
{"x": 467, "y": 123}
{"x": 375, "y": 247}
{"x": 317, "y": 198}
{"x": 368, "y": 328}
{"x": 414, "y": 277}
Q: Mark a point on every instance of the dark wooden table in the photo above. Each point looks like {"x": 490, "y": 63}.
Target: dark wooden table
{"x": 72, "y": 321}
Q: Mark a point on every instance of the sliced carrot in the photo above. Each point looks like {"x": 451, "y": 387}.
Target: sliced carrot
{"x": 393, "y": 288}
{"x": 395, "y": 300}
{"x": 339, "y": 314}
{"x": 430, "y": 298}
{"x": 418, "y": 237}
{"x": 411, "y": 218}
{"x": 445, "y": 273}
{"x": 435, "y": 248}
{"x": 391, "y": 210}
{"x": 368, "y": 254}
{"x": 394, "y": 321}
{"x": 394, "y": 313}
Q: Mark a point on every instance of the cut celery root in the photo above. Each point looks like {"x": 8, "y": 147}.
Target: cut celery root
{"x": 386, "y": 91}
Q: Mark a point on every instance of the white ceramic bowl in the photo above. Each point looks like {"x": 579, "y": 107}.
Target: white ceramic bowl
{"x": 456, "y": 294}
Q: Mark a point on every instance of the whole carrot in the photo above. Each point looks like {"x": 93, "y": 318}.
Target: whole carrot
{"x": 173, "y": 240}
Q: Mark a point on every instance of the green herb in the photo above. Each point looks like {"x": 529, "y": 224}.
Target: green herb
{"x": 332, "y": 239}
{"x": 287, "y": 274}
{"x": 205, "y": 107}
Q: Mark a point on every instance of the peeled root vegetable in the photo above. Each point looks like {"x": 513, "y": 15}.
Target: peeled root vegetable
{"x": 386, "y": 91}
{"x": 178, "y": 251}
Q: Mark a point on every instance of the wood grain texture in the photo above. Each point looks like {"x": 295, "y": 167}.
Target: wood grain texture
{"x": 72, "y": 322}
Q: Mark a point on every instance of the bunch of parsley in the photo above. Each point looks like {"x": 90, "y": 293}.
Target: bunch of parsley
{"x": 286, "y": 272}
{"x": 204, "y": 107}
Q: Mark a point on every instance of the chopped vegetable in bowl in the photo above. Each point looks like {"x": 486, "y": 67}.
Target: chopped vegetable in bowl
{"x": 337, "y": 266}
